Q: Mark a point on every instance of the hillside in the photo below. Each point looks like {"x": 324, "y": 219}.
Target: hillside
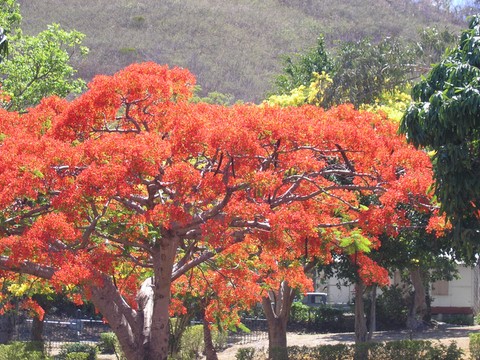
{"x": 231, "y": 46}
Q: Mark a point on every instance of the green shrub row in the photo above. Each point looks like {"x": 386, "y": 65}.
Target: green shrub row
{"x": 77, "y": 351}
{"x": 474, "y": 346}
{"x": 393, "y": 350}
{"x": 320, "y": 319}
{"x": 22, "y": 350}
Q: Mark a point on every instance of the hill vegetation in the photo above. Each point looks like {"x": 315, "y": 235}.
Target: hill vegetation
{"x": 233, "y": 47}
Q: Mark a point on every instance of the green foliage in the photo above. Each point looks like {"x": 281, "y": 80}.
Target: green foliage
{"x": 214, "y": 97}
{"x": 22, "y": 350}
{"x": 128, "y": 50}
{"x": 474, "y": 345}
{"x": 355, "y": 242}
{"x": 192, "y": 343}
{"x": 107, "y": 343}
{"x": 416, "y": 349}
{"x": 9, "y": 18}
{"x": 392, "y": 308}
{"x": 38, "y": 66}
{"x": 69, "y": 348}
{"x": 313, "y": 94}
{"x": 394, "y": 350}
{"x": 298, "y": 70}
{"x": 77, "y": 356}
{"x": 444, "y": 118}
{"x": 247, "y": 353}
{"x": 325, "y": 352}
{"x": 362, "y": 71}
{"x": 458, "y": 319}
{"x": 321, "y": 318}
{"x": 365, "y": 69}
{"x": 433, "y": 43}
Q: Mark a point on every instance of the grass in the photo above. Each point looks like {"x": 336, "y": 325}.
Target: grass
{"x": 231, "y": 46}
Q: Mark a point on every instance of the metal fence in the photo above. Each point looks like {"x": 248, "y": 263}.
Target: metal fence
{"x": 258, "y": 330}
{"x": 58, "y": 331}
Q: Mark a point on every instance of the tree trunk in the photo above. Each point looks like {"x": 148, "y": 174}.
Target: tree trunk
{"x": 37, "y": 329}
{"x": 360, "y": 320}
{"x": 373, "y": 313}
{"x": 156, "y": 329}
{"x": 143, "y": 334}
{"x": 418, "y": 307}
{"x": 210, "y": 352}
{"x": 277, "y": 310}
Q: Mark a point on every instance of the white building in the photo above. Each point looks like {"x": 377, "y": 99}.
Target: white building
{"x": 459, "y": 296}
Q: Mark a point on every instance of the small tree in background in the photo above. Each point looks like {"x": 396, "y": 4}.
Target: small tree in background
{"x": 361, "y": 71}
{"x": 34, "y": 67}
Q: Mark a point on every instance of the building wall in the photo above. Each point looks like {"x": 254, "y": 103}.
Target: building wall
{"x": 457, "y": 296}
{"x": 462, "y": 293}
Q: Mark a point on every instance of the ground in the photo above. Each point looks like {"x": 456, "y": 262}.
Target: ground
{"x": 442, "y": 333}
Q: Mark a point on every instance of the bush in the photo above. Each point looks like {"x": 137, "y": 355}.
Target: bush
{"x": 392, "y": 309}
{"x": 474, "y": 345}
{"x": 322, "y": 318}
{"x": 394, "y": 350}
{"x": 107, "y": 343}
{"x": 458, "y": 319}
{"x": 324, "y": 352}
{"x": 247, "y": 353}
{"x": 192, "y": 343}
{"x": 22, "y": 350}
{"x": 416, "y": 349}
{"x": 77, "y": 356}
{"x": 67, "y": 349}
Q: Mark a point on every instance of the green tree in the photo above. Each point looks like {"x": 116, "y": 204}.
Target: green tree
{"x": 9, "y": 19}
{"x": 444, "y": 117}
{"x": 364, "y": 70}
{"x": 37, "y": 66}
{"x": 299, "y": 69}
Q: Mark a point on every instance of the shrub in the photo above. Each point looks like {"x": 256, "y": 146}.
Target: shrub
{"x": 21, "y": 350}
{"x": 458, "y": 319}
{"x": 67, "y": 349}
{"x": 220, "y": 338}
{"x": 77, "y": 356}
{"x": 392, "y": 308}
{"x": 107, "y": 343}
{"x": 394, "y": 350}
{"x": 324, "y": 352}
{"x": 322, "y": 318}
{"x": 474, "y": 345}
{"x": 246, "y": 353}
{"x": 192, "y": 343}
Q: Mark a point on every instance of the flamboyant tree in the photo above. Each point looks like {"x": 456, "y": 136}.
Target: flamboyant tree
{"x": 129, "y": 187}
